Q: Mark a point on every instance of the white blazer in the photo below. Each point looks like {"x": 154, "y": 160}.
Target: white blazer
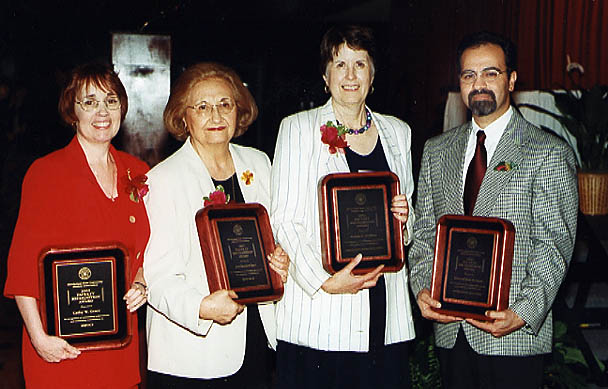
{"x": 179, "y": 343}
{"x": 307, "y": 315}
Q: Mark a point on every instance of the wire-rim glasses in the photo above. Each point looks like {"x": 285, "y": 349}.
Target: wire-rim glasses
{"x": 88, "y": 104}
{"x": 487, "y": 75}
{"x": 224, "y": 107}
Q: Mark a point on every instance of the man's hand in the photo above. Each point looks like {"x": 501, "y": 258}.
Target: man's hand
{"x": 425, "y": 302}
{"x": 504, "y": 323}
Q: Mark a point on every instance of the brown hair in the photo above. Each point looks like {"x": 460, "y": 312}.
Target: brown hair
{"x": 247, "y": 110}
{"x": 356, "y": 37}
{"x": 99, "y": 75}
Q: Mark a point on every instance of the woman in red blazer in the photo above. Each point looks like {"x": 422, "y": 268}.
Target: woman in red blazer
{"x": 81, "y": 194}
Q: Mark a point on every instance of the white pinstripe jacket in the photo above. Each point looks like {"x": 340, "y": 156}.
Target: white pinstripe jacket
{"x": 539, "y": 196}
{"x": 307, "y": 315}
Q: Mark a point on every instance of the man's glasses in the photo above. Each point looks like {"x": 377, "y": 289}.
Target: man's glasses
{"x": 224, "y": 107}
{"x": 89, "y": 105}
{"x": 487, "y": 75}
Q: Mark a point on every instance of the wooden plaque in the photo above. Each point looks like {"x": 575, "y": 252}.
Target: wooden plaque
{"x": 235, "y": 240}
{"x": 355, "y": 217}
{"x": 472, "y": 265}
{"x": 81, "y": 290}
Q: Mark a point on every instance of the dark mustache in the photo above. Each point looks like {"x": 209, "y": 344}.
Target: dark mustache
{"x": 482, "y": 92}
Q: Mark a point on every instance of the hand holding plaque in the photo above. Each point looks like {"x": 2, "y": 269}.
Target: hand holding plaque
{"x": 79, "y": 295}
{"x": 235, "y": 240}
{"x": 472, "y": 265}
{"x": 355, "y": 217}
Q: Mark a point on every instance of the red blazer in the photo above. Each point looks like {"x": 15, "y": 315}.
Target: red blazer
{"x": 62, "y": 204}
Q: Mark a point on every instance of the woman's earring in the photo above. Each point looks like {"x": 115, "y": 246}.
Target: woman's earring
{"x": 326, "y": 89}
{"x": 371, "y": 92}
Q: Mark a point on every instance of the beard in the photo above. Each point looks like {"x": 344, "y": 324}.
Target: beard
{"x": 482, "y": 107}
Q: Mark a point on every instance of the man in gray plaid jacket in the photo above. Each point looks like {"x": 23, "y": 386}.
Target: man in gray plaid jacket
{"x": 531, "y": 181}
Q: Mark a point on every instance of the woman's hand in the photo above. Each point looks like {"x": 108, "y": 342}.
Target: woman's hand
{"x": 220, "y": 307}
{"x": 54, "y": 349}
{"x": 50, "y": 348}
{"x": 345, "y": 281}
{"x": 138, "y": 294}
{"x": 400, "y": 208}
{"x": 279, "y": 262}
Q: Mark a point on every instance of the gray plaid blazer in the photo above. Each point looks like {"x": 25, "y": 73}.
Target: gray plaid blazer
{"x": 539, "y": 196}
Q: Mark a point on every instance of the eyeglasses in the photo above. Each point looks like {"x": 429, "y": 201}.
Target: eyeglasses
{"x": 89, "y": 105}
{"x": 487, "y": 75}
{"x": 224, "y": 107}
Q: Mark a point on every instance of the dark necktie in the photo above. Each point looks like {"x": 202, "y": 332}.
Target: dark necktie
{"x": 475, "y": 173}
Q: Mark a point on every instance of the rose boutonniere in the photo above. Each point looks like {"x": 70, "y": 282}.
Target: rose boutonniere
{"x": 216, "y": 197}
{"x": 334, "y": 136}
{"x": 505, "y": 166}
{"x": 247, "y": 177}
{"x": 136, "y": 186}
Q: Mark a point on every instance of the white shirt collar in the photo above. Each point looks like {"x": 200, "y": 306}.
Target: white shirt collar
{"x": 493, "y": 131}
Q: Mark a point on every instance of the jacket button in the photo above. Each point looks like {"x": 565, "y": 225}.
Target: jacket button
{"x": 132, "y": 219}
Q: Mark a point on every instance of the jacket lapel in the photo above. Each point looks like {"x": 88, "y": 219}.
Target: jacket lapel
{"x": 243, "y": 170}
{"x": 452, "y": 167}
{"x": 388, "y": 139}
{"x": 508, "y": 150}
{"x": 196, "y": 165}
{"x": 334, "y": 163}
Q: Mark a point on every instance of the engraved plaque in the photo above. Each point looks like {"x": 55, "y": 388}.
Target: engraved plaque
{"x": 472, "y": 265}
{"x": 235, "y": 241}
{"x": 86, "y": 297}
{"x": 362, "y": 222}
{"x": 81, "y": 295}
{"x": 355, "y": 217}
{"x": 245, "y": 264}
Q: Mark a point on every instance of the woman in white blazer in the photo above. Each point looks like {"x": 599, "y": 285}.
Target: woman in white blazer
{"x": 341, "y": 330}
{"x": 198, "y": 339}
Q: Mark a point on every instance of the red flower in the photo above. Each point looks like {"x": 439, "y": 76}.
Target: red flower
{"x": 217, "y": 197}
{"x": 333, "y": 136}
{"x": 505, "y": 166}
{"x": 136, "y": 187}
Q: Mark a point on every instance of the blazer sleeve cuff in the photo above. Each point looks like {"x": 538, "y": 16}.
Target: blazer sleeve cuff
{"x": 408, "y": 230}
{"x": 204, "y": 325}
{"x": 533, "y": 319}
{"x": 416, "y": 287}
{"x": 312, "y": 285}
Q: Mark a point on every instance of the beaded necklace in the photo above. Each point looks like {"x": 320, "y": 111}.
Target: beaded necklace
{"x": 368, "y": 124}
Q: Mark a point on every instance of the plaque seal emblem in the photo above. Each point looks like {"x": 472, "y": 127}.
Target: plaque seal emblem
{"x": 360, "y": 198}
{"x": 237, "y": 230}
{"x": 84, "y": 273}
{"x": 472, "y": 242}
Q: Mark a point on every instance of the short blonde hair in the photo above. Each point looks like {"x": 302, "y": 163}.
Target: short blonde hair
{"x": 175, "y": 111}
